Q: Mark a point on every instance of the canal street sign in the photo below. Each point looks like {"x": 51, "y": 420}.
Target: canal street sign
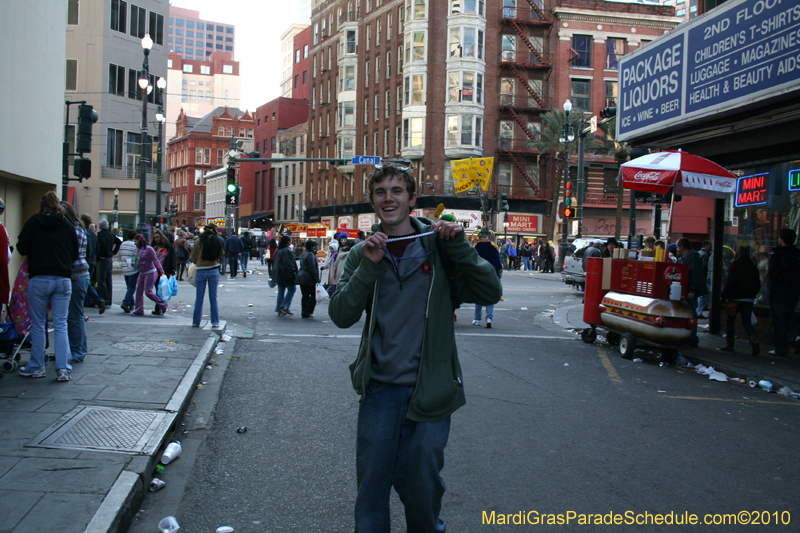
{"x": 366, "y": 160}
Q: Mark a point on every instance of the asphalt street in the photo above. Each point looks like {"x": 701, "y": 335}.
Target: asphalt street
{"x": 551, "y": 425}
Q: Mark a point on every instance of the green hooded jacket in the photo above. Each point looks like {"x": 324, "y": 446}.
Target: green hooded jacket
{"x": 439, "y": 388}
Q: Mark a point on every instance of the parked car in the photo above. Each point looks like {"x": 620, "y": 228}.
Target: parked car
{"x": 572, "y": 272}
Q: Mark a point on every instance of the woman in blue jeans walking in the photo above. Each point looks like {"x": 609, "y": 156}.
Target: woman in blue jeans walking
{"x": 207, "y": 251}
{"x": 76, "y": 321}
{"x": 51, "y": 245}
{"x": 285, "y": 275}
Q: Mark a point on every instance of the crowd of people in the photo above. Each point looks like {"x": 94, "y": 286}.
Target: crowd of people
{"x": 531, "y": 255}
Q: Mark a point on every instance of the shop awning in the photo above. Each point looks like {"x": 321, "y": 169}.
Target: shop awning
{"x": 689, "y": 174}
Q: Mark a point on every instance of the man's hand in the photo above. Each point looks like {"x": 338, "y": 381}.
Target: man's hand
{"x": 373, "y": 247}
{"x": 690, "y": 296}
{"x": 447, "y": 230}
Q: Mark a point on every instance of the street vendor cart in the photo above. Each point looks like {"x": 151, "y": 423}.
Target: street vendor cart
{"x": 641, "y": 301}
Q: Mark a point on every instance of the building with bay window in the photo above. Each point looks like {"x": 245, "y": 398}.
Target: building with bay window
{"x": 437, "y": 81}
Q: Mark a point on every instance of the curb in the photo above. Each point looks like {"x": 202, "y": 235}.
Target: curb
{"x": 120, "y": 505}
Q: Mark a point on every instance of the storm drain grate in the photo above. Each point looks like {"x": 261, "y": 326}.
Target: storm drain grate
{"x": 106, "y": 429}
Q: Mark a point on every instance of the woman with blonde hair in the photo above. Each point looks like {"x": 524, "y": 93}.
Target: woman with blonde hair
{"x": 51, "y": 245}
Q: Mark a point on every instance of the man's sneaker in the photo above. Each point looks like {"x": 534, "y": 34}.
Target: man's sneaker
{"x": 476, "y": 322}
{"x": 63, "y": 374}
{"x": 488, "y": 322}
{"x": 26, "y": 372}
{"x": 102, "y": 306}
{"x": 244, "y": 273}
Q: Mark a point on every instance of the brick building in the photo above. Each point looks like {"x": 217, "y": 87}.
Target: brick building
{"x": 301, "y": 65}
{"x": 257, "y": 203}
{"x": 438, "y": 81}
{"x": 199, "y": 146}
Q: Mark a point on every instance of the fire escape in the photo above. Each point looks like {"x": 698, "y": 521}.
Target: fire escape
{"x": 520, "y": 64}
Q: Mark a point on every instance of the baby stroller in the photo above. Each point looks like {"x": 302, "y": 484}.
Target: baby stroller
{"x": 15, "y": 328}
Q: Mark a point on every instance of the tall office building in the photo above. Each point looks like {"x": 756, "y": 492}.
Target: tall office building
{"x": 199, "y": 87}
{"x": 305, "y": 12}
{"x": 104, "y": 63}
{"x": 195, "y": 38}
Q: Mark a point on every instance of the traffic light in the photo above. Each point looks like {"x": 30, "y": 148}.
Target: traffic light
{"x": 173, "y": 209}
{"x": 503, "y": 201}
{"x": 568, "y": 209}
{"x": 231, "y": 189}
{"x": 608, "y": 112}
{"x": 86, "y": 117}
{"x": 82, "y": 168}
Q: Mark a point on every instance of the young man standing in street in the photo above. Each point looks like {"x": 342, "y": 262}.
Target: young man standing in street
{"x": 407, "y": 371}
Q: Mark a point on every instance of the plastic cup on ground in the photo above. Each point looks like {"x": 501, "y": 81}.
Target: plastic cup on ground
{"x": 172, "y": 452}
{"x": 168, "y": 525}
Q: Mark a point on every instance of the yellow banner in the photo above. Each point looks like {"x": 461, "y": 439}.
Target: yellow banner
{"x": 470, "y": 172}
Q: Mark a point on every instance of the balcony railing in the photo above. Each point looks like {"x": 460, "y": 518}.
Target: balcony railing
{"x": 350, "y": 16}
{"x": 515, "y": 145}
{"x": 126, "y": 172}
{"x": 523, "y": 102}
{"x": 603, "y": 198}
{"x": 527, "y": 58}
{"x": 523, "y": 14}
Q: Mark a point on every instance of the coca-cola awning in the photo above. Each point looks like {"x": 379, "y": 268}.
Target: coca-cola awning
{"x": 689, "y": 174}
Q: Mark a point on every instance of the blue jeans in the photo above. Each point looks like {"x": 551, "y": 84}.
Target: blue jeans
{"x": 233, "y": 262}
{"x": 479, "y": 309}
{"x": 245, "y": 256}
{"x": 76, "y": 324}
{"x": 90, "y": 290}
{"x": 392, "y": 451}
{"x": 56, "y": 291}
{"x": 526, "y": 260}
{"x": 202, "y": 277}
{"x": 284, "y": 301}
{"x": 784, "y": 326}
{"x": 130, "y": 288}
{"x": 261, "y": 252}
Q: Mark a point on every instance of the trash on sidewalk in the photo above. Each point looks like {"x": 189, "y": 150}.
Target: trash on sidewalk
{"x": 523, "y": 308}
{"x": 718, "y": 376}
{"x": 172, "y": 452}
{"x": 566, "y": 364}
{"x": 767, "y": 386}
{"x": 250, "y": 305}
{"x": 242, "y": 429}
{"x": 159, "y": 469}
{"x": 168, "y": 525}
{"x": 157, "y": 484}
{"x": 226, "y": 338}
{"x": 225, "y": 529}
{"x": 785, "y": 391}
{"x": 637, "y": 360}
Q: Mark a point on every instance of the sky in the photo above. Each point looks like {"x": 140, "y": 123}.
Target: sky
{"x": 259, "y": 25}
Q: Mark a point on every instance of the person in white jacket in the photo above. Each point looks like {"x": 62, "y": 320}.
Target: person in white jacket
{"x": 128, "y": 256}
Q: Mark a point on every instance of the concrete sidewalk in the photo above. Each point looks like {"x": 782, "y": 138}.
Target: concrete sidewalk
{"x": 781, "y": 371}
{"x": 78, "y": 456}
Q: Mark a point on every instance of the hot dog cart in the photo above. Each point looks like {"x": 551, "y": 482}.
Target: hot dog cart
{"x": 638, "y": 303}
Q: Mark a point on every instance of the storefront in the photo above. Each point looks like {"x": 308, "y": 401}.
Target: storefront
{"x": 726, "y": 86}
{"x": 521, "y": 227}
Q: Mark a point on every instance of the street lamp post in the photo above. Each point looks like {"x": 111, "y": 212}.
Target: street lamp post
{"x": 116, "y": 208}
{"x": 144, "y": 85}
{"x": 567, "y": 136}
{"x": 161, "y": 84}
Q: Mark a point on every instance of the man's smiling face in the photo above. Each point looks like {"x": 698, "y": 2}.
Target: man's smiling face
{"x": 391, "y": 201}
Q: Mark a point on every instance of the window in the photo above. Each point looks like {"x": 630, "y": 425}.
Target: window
{"x": 615, "y": 49}
{"x": 205, "y": 69}
{"x": 478, "y": 131}
{"x": 230, "y": 40}
{"x": 280, "y": 176}
{"x": 72, "y": 12}
{"x": 419, "y": 9}
{"x": 388, "y": 65}
{"x": 366, "y": 110}
{"x": 296, "y": 81}
{"x": 178, "y": 40}
{"x": 192, "y": 95}
{"x": 452, "y": 130}
{"x": 188, "y": 68}
{"x": 156, "y": 28}
{"x": 580, "y": 94}
{"x": 229, "y": 30}
{"x": 611, "y": 93}
{"x": 220, "y": 155}
{"x": 479, "y": 89}
{"x": 366, "y": 74}
{"x": 346, "y": 114}
{"x": 389, "y": 26}
{"x": 419, "y": 46}
{"x": 305, "y": 77}
{"x": 71, "y": 81}
{"x": 297, "y": 56}
{"x": 412, "y": 132}
{"x": 378, "y": 32}
{"x": 417, "y": 90}
{"x": 508, "y": 47}
{"x": 582, "y": 51}
{"x": 119, "y": 15}
{"x": 369, "y": 35}
{"x": 305, "y": 51}
{"x": 349, "y": 78}
{"x": 133, "y": 85}
{"x": 138, "y": 21}
{"x": 114, "y": 148}
{"x": 399, "y": 105}
{"x": 377, "y": 69}
{"x": 376, "y": 110}
{"x": 386, "y": 99}
{"x": 227, "y": 69}
{"x": 610, "y": 180}
{"x": 680, "y": 12}
{"x": 116, "y": 79}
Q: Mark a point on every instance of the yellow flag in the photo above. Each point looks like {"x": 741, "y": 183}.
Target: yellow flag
{"x": 470, "y": 172}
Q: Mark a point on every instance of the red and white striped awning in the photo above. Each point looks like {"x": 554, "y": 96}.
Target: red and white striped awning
{"x": 690, "y": 175}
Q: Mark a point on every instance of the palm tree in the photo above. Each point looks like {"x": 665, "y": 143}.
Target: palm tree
{"x": 548, "y": 143}
{"x": 621, "y": 152}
